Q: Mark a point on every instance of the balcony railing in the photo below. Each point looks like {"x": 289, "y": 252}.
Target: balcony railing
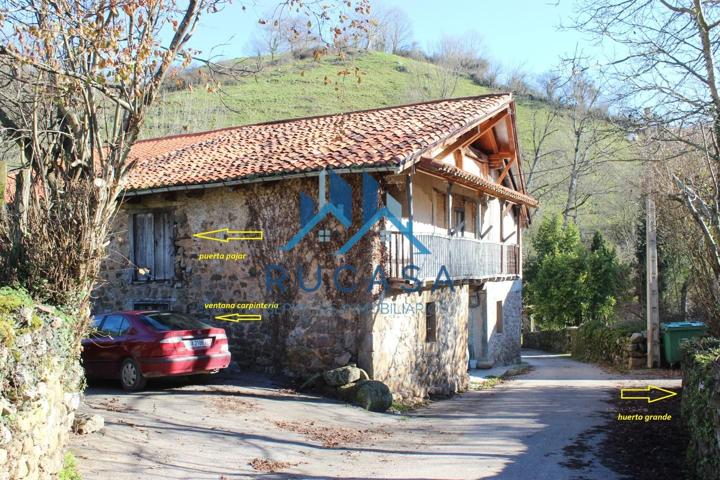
{"x": 464, "y": 258}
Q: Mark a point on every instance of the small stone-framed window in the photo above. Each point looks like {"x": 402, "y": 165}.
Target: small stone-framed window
{"x": 430, "y": 322}
{"x": 499, "y": 316}
{"x": 161, "y": 306}
{"x": 324, "y": 235}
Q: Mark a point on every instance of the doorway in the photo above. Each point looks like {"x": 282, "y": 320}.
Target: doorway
{"x": 477, "y": 326}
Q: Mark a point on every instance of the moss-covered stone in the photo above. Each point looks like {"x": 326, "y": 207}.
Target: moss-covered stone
{"x": 344, "y": 375}
{"x": 373, "y": 395}
{"x": 40, "y": 378}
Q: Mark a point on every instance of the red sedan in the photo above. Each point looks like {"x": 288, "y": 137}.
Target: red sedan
{"x": 136, "y": 345}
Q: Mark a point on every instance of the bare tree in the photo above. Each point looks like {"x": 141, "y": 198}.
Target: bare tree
{"x": 398, "y": 30}
{"x": 76, "y": 82}
{"x": 670, "y": 73}
{"x": 594, "y": 141}
{"x": 270, "y": 39}
{"x": 455, "y": 57}
{"x": 545, "y": 125}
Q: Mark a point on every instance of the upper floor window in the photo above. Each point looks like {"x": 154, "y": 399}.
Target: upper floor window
{"x": 460, "y": 222}
{"x": 152, "y": 247}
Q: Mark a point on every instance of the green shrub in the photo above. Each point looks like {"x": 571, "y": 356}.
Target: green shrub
{"x": 598, "y": 341}
{"x": 69, "y": 470}
{"x": 567, "y": 283}
{"x": 700, "y": 404}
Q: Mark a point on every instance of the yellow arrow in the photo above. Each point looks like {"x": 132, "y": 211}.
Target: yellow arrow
{"x": 647, "y": 390}
{"x": 239, "y": 317}
{"x": 226, "y": 235}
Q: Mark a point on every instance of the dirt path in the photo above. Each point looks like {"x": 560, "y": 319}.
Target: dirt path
{"x": 245, "y": 427}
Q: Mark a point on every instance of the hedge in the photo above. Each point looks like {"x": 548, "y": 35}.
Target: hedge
{"x": 701, "y": 406}
{"x": 596, "y": 341}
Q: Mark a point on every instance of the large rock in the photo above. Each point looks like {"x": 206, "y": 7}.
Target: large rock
{"x": 85, "y": 424}
{"x": 636, "y": 362}
{"x": 373, "y": 395}
{"x": 344, "y": 375}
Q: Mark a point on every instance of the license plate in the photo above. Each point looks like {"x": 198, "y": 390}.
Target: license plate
{"x": 200, "y": 343}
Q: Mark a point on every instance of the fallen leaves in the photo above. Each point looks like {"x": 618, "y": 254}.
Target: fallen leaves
{"x": 270, "y": 466}
{"x": 330, "y": 437}
{"x": 232, "y": 404}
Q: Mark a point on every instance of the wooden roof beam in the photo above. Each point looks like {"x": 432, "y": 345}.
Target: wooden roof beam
{"x": 496, "y": 157}
{"x": 460, "y": 143}
{"x": 506, "y": 170}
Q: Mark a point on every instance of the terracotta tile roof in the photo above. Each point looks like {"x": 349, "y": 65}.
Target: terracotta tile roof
{"x": 482, "y": 184}
{"x": 373, "y": 138}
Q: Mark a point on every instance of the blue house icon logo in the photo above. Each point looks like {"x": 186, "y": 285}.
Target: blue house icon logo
{"x": 340, "y": 207}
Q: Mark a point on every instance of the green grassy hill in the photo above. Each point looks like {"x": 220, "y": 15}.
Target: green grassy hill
{"x": 298, "y": 88}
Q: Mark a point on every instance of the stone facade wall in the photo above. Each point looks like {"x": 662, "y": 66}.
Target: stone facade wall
{"x": 504, "y": 346}
{"x": 40, "y": 380}
{"x": 403, "y": 357}
{"x": 308, "y": 331}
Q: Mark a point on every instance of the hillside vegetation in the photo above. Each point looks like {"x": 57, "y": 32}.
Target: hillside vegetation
{"x": 298, "y": 88}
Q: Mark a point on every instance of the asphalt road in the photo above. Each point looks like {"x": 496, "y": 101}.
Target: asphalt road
{"x": 541, "y": 425}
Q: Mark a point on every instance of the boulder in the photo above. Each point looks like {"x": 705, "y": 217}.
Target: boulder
{"x": 637, "y": 337}
{"x": 85, "y": 424}
{"x": 373, "y": 395}
{"x": 635, "y": 363}
{"x": 344, "y": 375}
{"x": 347, "y": 392}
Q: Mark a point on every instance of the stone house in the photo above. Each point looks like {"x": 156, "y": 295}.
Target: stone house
{"x": 390, "y": 238}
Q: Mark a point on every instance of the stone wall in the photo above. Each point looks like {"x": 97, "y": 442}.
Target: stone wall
{"x": 504, "y": 346}
{"x": 404, "y": 358}
{"x": 618, "y": 345}
{"x": 701, "y": 407}
{"x": 40, "y": 381}
{"x": 307, "y": 331}
{"x": 555, "y": 341}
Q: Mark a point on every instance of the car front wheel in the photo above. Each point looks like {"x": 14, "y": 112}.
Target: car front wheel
{"x": 131, "y": 376}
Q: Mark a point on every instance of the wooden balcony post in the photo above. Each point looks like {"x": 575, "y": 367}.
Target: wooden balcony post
{"x": 409, "y": 191}
{"x": 448, "y": 208}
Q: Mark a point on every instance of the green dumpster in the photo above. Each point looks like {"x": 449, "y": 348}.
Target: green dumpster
{"x": 676, "y": 332}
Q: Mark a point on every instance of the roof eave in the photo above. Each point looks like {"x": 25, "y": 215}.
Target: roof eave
{"x": 255, "y": 179}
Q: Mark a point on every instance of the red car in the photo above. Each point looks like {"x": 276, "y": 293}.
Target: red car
{"x": 136, "y": 345}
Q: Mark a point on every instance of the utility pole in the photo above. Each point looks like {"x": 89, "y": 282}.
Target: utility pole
{"x": 651, "y": 280}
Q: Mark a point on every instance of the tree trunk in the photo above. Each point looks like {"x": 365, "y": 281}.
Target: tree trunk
{"x": 571, "y": 196}
{"x": 684, "y": 299}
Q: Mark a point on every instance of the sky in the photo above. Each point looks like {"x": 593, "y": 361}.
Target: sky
{"x": 522, "y": 34}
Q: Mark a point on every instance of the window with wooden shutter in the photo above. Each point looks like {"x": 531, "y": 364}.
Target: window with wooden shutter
{"x": 499, "y": 317}
{"x": 152, "y": 246}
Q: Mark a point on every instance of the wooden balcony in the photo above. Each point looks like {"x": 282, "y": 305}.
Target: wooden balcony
{"x": 464, "y": 258}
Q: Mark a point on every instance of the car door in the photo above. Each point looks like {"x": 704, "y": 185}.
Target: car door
{"x": 110, "y": 345}
{"x": 90, "y": 348}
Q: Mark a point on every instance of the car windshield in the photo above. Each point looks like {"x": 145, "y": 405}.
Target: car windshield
{"x": 166, "y": 321}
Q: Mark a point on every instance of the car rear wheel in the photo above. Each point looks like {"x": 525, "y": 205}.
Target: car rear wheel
{"x": 131, "y": 377}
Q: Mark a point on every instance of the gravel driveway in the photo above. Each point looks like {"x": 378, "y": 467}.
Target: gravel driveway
{"x": 244, "y": 426}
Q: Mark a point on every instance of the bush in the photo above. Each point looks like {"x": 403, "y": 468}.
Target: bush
{"x": 597, "y": 341}
{"x": 567, "y": 283}
{"x": 701, "y": 406}
{"x": 69, "y": 470}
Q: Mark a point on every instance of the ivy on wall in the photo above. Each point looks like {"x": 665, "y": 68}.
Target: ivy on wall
{"x": 701, "y": 406}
